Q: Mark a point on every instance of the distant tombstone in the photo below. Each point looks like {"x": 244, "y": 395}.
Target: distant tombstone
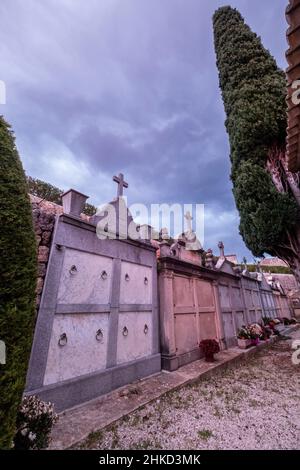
{"x": 189, "y": 236}
{"x": 189, "y": 219}
{"x": 209, "y": 259}
{"x": 164, "y": 234}
{"x": 221, "y": 247}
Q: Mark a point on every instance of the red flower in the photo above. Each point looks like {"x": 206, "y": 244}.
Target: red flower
{"x": 209, "y": 346}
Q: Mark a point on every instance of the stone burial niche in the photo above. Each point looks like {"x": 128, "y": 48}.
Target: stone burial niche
{"x": 252, "y": 297}
{"x": 278, "y": 300}
{"x": 189, "y": 305}
{"x": 232, "y": 302}
{"x": 267, "y": 297}
{"x": 97, "y": 326}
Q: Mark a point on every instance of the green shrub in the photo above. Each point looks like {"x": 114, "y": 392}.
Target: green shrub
{"x": 35, "y": 419}
{"x": 17, "y": 281}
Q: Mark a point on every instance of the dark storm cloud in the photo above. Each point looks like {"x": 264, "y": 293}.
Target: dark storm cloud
{"x": 98, "y": 87}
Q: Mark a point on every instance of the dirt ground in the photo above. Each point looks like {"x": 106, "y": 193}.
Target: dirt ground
{"x": 253, "y": 406}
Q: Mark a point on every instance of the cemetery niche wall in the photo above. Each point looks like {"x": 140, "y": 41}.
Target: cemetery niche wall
{"x": 232, "y": 302}
{"x": 188, "y": 304}
{"x": 270, "y": 308}
{"x": 97, "y": 326}
{"x": 280, "y": 299}
{"x": 252, "y": 298}
{"x": 104, "y": 318}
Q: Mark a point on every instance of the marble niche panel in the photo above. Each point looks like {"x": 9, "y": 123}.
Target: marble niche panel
{"x": 135, "y": 334}
{"x": 83, "y": 350}
{"x": 85, "y": 278}
{"x": 136, "y": 284}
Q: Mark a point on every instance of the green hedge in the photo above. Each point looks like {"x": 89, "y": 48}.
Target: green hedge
{"x": 252, "y": 268}
{"x": 17, "y": 281}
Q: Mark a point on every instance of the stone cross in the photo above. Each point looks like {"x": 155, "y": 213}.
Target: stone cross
{"x": 189, "y": 219}
{"x": 221, "y": 246}
{"x": 121, "y": 184}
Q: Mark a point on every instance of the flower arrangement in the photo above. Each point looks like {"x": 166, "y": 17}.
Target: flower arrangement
{"x": 244, "y": 337}
{"x": 251, "y": 334}
{"x": 266, "y": 333}
{"x": 244, "y": 333}
{"x": 209, "y": 347}
{"x": 289, "y": 321}
{"x": 35, "y": 419}
{"x": 255, "y": 331}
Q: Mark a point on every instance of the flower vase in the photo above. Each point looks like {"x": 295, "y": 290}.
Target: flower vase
{"x": 209, "y": 358}
{"x": 244, "y": 343}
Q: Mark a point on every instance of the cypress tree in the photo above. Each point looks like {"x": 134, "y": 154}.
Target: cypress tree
{"x": 17, "y": 281}
{"x": 254, "y": 91}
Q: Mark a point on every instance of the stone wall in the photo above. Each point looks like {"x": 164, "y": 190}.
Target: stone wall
{"x": 44, "y": 214}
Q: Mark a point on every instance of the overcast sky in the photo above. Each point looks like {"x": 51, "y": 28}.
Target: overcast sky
{"x": 98, "y": 87}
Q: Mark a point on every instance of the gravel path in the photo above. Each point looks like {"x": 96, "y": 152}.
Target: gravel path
{"x": 254, "y": 406}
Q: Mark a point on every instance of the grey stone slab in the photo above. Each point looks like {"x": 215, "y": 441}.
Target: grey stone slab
{"x": 135, "y": 308}
{"x": 82, "y": 389}
{"x": 43, "y": 328}
{"x": 82, "y": 308}
{"x": 155, "y": 311}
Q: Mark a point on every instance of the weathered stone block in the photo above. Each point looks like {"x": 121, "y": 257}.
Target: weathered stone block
{"x": 46, "y": 237}
{"x": 46, "y": 221}
{"x": 36, "y": 214}
{"x": 37, "y": 229}
{"x": 41, "y": 269}
{"x": 43, "y": 254}
{"x": 39, "y": 285}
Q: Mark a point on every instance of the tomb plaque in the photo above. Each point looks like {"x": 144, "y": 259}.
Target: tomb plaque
{"x": 78, "y": 346}
{"x": 224, "y": 296}
{"x": 252, "y": 316}
{"x": 186, "y": 333}
{"x": 136, "y": 284}
{"x": 240, "y": 319}
{"x": 183, "y": 291}
{"x": 85, "y": 278}
{"x": 134, "y": 336}
{"x": 205, "y": 294}
{"x": 228, "y": 326}
{"x": 207, "y": 326}
{"x": 237, "y": 297}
